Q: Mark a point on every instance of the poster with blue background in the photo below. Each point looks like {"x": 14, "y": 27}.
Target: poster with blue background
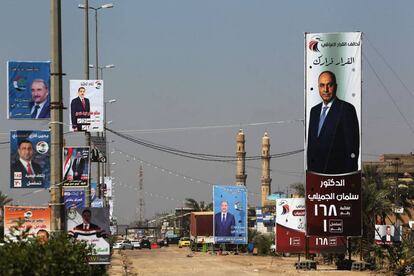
{"x": 29, "y": 159}
{"x": 28, "y": 94}
{"x": 74, "y": 198}
{"x": 230, "y": 214}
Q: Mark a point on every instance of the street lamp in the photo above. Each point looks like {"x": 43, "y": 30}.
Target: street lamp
{"x": 105, "y": 6}
{"x": 101, "y": 68}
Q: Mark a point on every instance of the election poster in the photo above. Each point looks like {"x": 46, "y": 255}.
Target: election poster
{"x": 230, "y": 214}
{"x": 332, "y": 133}
{"x": 290, "y": 230}
{"x": 108, "y": 186}
{"x": 34, "y": 219}
{"x": 28, "y": 94}
{"x": 74, "y": 198}
{"x": 388, "y": 234}
{"x": 29, "y": 159}
{"x": 91, "y": 225}
{"x": 86, "y": 105}
{"x": 95, "y": 200}
{"x": 76, "y": 166}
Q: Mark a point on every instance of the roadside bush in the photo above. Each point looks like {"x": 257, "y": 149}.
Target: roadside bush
{"x": 60, "y": 255}
{"x": 263, "y": 243}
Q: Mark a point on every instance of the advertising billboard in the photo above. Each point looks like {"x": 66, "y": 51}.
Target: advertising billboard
{"x": 29, "y": 159}
{"x": 91, "y": 225}
{"x": 34, "y": 218}
{"x": 74, "y": 198}
{"x": 230, "y": 214}
{"x": 28, "y": 94}
{"x": 76, "y": 166}
{"x": 332, "y": 133}
{"x": 290, "y": 230}
{"x": 388, "y": 234}
{"x": 86, "y": 105}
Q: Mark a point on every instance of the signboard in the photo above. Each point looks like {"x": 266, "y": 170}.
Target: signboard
{"x": 388, "y": 234}
{"x": 332, "y": 134}
{"x": 91, "y": 225}
{"x": 34, "y": 218}
{"x": 86, "y": 105}
{"x": 74, "y": 198}
{"x": 76, "y": 166}
{"x": 230, "y": 214}
{"x": 108, "y": 186}
{"x": 28, "y": 94}
{"x": 290, "y": 230}
{"x": 29, "y": 159}
{"x": 100, "y": 144}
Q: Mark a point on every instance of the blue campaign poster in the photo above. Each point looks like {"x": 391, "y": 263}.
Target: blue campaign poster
{"x": 74, "y": 198}
{"x": 28, "y": 90}
{"x": 230, "y": 214}
{"x": 29, "y": 159}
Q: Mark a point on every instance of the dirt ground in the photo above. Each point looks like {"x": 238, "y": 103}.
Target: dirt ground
{"x": 181, "y": 261}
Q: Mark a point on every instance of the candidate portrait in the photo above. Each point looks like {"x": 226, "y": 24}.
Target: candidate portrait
{"x": 224, "y": 221}
{"x": 333, "y": 131}
{"x": 24, "y": 171}
{"x": 40, "y": 104}
{"x": 80, "y": 110}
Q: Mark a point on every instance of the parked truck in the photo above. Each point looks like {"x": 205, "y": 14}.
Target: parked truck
{"x": 201, "y": 229}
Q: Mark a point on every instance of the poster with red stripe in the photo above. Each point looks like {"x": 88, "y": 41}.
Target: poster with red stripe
{"x": 76, "y": 166}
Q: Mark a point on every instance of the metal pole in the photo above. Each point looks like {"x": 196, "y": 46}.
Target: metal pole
{"x": 96, "y": 43}
{"x": 86, "y": 67}
{"x": 56, "y": 126}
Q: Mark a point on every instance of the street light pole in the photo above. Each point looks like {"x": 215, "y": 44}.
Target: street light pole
{"x": 56, "y": 112}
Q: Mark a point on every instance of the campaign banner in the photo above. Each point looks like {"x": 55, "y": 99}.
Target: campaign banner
{"x": 28, "y": 94}
{"x": 388, "y": 234}
{"x": 108, "y": 186}
{"x": 74, "y": 198}
{"x": 35, "y": 219}
{"x": 230, "y": 214}
{"x": 86, "y": 105}
{"x": 290, "y": 230}
{"x": 29, "y": 159}
{"x": 76, "y": 166}
{"x": 91, "y": 225}
{"x": 99, "y": 142}
{"x": 332, "y": 133}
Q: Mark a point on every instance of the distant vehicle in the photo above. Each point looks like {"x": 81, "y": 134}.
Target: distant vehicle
{"x": 145, "y": 243}
{"x": 136, "y": 244}
{"x": 125, "y": 244}
{"x": 184, "y": 242}
{"x": 162, "y": 242}
{"x": 173, "y": 240}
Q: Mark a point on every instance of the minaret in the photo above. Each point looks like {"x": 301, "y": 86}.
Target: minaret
{"x": 265, "y": 179}
{"x": 240, "y": 165}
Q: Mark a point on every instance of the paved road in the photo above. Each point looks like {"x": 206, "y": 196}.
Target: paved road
{"x": 177, "y": 261}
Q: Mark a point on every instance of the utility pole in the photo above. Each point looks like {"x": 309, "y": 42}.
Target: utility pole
{"x": 141, "y": 202}
{"x": 56, "y": 124}
{"x": 86, "y": 68}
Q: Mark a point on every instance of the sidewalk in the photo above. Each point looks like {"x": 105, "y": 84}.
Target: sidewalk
{"x": 118, "y": 261}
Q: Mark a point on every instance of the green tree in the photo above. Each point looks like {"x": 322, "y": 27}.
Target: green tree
{"x": 298, "y": 188}
{"x": 4, "y": 200}
{"x": 198, "y": 206}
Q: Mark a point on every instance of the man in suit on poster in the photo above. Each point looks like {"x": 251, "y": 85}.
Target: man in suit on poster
{"x": 80, "y": 110}
{"x": 78, "y": 165}
{"x": 224, "y": 221}
{"x": 333, "y": 133}
{"x": 40, "y": 106}
{"x": 24, "y": 171}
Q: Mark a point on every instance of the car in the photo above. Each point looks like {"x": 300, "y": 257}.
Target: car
{"x": 136, "y": 244}
{"x": 125, "y": 244}
{"x": 145, "y": 243}
{"x": 184, "y": 242}
{"x": 162, "y": 242}
{"x": 173, "y": 240}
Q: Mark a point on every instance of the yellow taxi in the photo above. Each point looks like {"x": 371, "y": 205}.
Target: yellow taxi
{"x": 183, "y": 242}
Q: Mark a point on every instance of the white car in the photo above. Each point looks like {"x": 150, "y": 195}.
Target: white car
{"x": 136, "y": 244}
{"x": 125, "y": 244}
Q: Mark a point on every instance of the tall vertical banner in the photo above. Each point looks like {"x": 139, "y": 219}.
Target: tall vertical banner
{"x": 92, "y": 226}
{"x": 230, "y": 214}
{"x": 332, "y": 133}
{"x": 290, "y": 230}
{"x": 86, "y": 105}
{"x": 28, "y": 94}
{"x": 76, "y": 166}
{"x": 34, "y": 219}
{"x": 29, "y": 159}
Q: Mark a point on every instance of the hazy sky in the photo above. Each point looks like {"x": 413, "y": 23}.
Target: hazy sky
{"x": 195, "y": 63}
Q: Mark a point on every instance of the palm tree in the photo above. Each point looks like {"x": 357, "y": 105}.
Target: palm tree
{"x": 299, "y": 188}
{"x": 198, "y": 206}
{"x": 4, "y": 199}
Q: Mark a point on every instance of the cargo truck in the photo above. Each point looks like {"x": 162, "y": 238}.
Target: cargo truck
{"x": 201, "y": 229}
